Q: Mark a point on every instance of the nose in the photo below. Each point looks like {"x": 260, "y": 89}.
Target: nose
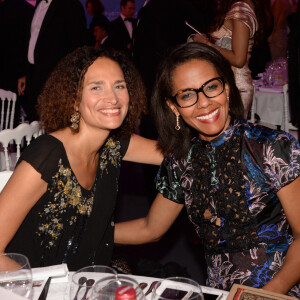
{"x": 203, "y": 101}
{"x": 111, "y": 97}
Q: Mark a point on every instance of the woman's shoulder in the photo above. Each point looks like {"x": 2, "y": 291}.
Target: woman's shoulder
{"x": 44, "y": 144}
{"x": 44, "y": 154}
{"x": 263, "y": 134}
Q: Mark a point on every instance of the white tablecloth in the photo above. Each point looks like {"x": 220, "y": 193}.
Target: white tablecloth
{"x": 59, "y": 290}
{"x": 270, "y": 105}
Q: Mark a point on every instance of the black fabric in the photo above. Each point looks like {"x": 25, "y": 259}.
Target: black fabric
{"x": 69, "y": 224}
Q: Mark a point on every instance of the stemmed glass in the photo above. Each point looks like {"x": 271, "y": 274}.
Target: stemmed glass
{"x": 122, "y": 286}
{"x": 177, "y": 288}
{"x": 15, "y": 274}
{"x": 84, "y": 279}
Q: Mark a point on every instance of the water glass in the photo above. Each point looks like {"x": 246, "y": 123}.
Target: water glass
{"x": 177, "y": 288}
{"x": 105, "y": 288}
{"x": 84, "y": 279}
{"x": 15, "y": 274}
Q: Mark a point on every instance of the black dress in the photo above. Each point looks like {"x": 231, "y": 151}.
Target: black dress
{"x": 69, "y": 224}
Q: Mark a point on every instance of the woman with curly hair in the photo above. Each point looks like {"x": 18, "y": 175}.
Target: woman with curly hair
{"x": 58, "y": 205}
{"x": 239, "y": 182}
{"x": 233, "y": 34}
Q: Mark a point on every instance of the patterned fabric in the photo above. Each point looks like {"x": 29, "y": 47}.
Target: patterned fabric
{"x": 243, "y": 12}
{"x": 229, "y": 188}
{"x": 69, "y": 221}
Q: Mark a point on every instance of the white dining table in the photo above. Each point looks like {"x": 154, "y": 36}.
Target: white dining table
{"x": 270, "y": 105}
{"x": 60, "y": 290}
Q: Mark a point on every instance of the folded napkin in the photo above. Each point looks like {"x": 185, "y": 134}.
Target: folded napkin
{"x": 9, "y": 295}
{"x": 59, "y": 273}
{"x": 273, "y": 89}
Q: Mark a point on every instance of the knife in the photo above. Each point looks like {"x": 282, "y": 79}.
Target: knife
{"x": 44, "y": 292}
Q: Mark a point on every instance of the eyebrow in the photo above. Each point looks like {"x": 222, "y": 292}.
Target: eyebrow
{"x": 102, "y": 82}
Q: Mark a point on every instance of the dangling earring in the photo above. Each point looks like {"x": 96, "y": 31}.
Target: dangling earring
{"x": 177, "y": 127}
{"x": 227, "y": 98}
{"x": 75, "y": 120}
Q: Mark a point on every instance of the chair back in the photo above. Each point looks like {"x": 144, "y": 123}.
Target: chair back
{"x": 24, "y": 130}
{"x": 4, "y": 176}
{"x": 7, "y": 111}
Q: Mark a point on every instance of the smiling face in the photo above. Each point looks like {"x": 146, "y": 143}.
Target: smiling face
{"x": 105, "y": 99}
{"x": 209, "y": 116}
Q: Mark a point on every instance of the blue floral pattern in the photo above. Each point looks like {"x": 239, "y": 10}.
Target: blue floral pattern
{"x": 268, "y": 160}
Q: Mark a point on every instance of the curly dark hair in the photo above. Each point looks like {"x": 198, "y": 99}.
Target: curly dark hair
{"x": 262, "y": 12}
{"x": 170, "y": 140}
{"x": 97, "y": 6}
{"x": 63, "y": 89}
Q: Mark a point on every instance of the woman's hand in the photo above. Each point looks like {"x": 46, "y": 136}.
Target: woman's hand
{"x": 200, "y": 38}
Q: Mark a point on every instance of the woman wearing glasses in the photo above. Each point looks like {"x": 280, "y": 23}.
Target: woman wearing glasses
{"x": 238, "y": 181}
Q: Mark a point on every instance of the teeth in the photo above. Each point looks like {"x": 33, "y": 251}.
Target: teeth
{"x": 208, "y": 116}
{"x": 110, "y": 111}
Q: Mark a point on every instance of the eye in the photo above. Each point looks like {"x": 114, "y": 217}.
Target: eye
{"x": 120, "y": 86}
{"x": 186, "y": 95}
{"x": 95, "y": 88}
{"x": 212, "y": 86}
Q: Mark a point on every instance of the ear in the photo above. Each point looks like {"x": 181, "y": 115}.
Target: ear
{"x": 173, "y": 108}
{"x": 227, "y": 90}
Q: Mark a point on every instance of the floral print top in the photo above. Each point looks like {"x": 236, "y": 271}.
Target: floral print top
{"x": 70, "y": 224}
{"x": 229, "y": 186}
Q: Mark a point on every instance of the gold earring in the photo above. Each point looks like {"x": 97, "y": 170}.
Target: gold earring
{"x": 177, "y": 127}
{"x": 75, "y": 120}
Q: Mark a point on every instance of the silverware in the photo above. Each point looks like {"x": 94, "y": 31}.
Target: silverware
{"x": 89, "y": 283}
{"x": 152, "y": 286}
{"x": 81, "y": 281}
{"x": 44, "y": 292}
{"x": 142, "y": 285}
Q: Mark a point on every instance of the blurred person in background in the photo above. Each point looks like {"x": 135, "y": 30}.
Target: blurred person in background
{"x": 294, "y": 67}
{"x": 278, "y": 40}
{"x": 95, "y": 9}
{"x": 121, "y": 30}
{"x": 237, "y": 26}
{"x": 57, "y": 28}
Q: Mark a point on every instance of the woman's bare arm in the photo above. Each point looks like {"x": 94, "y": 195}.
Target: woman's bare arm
{"x": 289, "y": 274}
{"x": 142, "y": 150}
{"x": 240, "y": 40}
{"x": 24, "y": 188}
{"x": 161, "y": 216}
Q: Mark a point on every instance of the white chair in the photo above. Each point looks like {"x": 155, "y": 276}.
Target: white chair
{"x": 4, "y": 176}
{"x": 287, "y": 125}
{"x": 7, "y": 119}
{"x": 24, "y": 130}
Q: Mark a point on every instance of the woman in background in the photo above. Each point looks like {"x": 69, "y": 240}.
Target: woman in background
{"x": 58, "y": 206}
{"x": 237, "y": 26}
{"x": 238, "y": 182}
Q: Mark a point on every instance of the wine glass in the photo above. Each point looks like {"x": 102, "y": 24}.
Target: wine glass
{"x": 120, "y": 287}
{"x": 15, "y": 273}
{"x": 177, "y": 288}
{"x": 84, "y": 279}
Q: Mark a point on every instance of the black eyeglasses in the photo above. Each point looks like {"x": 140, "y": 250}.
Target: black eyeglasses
{"x": 189, "y": 97}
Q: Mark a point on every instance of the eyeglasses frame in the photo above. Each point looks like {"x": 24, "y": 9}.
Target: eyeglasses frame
{"x": 174, "y": 99}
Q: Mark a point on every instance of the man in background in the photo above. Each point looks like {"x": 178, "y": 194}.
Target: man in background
{"x": 121, "y": 30}
{"x": 57, "y": 28}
